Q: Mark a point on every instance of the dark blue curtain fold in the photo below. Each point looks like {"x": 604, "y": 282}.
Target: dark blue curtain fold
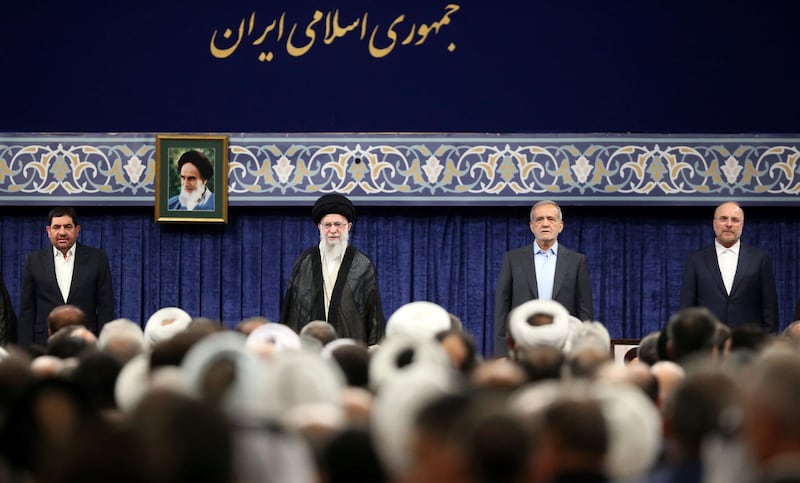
{"x": 449, "y": 255}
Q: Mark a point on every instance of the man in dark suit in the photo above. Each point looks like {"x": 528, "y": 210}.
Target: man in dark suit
{"x": 733, "y": 280}
{"x": 64, "y": 273}
{"x": 541, "y": 270}
{"x": 8, "y": 318}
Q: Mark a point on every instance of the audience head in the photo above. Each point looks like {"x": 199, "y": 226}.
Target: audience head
{"x": 538, "y": 322}
{"x": 572, "y": 437}
{"x": 165, "y": 323}
{"x": 587, "y": 335}
{"x": 250, "y": 324}
{"x": 122, "y": 338}
{"x": 320, "y": 330}
{"x": 648, "y": 348}
{"x": 792, "y": 331}
{"x": 183, "y": 439}
{"x": 748, "y": 337}
{"x": 702, "y": 405}
{"x": 540, "y": 362}
{"x": 460, "y": 347}
{"x": 71, "y": 341}
{"x": 353, "y": 359}
{"x": 269, "y": 339}
{"x": 418, "y": 320}
{"x": 772, "y": 396}
{"x": 691, "y": 332}
{"x": 669, "y": 375}
{"x": 63, "y": 316}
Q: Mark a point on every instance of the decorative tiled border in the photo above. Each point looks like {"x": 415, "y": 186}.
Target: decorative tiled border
{"x": 424, "y": 169}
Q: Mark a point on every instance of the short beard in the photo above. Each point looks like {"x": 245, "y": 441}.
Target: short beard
{"x": 189, "y": 199}
{"x": 332, "y": 250}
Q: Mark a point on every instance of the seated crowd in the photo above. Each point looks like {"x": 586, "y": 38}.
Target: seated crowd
{"x": 188, "y": 400}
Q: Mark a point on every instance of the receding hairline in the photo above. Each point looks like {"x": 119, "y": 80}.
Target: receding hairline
{"x": 547, "y": 203}
{"x": 734, "y": 203}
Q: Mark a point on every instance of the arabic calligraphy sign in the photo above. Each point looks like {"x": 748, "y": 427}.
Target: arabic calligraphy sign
{"x": 325, "y": 27}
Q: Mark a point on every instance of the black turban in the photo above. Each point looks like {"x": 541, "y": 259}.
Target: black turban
{"x": 199, "y": 160}
{"x": 333, "y": 203}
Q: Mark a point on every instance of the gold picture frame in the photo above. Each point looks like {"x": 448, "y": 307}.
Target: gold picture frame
{"x": 203, "y": 161}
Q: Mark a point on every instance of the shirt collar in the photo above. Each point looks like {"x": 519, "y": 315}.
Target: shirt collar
{"x": 553, "y": 250}
{"x": 734, "y": 248}
{"x": 70, "y": 253}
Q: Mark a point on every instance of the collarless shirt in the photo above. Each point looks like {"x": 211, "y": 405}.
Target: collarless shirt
{"x": 65, "y": 266}
{"x": 545, "y": 263}
{"x": 330, "y": 272}
{"x": 728, "y": 260}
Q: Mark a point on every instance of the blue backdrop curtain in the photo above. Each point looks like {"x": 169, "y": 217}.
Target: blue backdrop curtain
{"x": 449, "y": 255}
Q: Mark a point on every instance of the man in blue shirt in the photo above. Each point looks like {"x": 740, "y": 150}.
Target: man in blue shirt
{"x": 541, "y": 270}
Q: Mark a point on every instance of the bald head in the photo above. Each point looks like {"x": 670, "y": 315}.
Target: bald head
{"x": 64, "y": 316}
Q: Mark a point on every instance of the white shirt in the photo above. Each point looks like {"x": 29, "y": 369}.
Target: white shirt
{"x": 64, "y": 269}
{"x": 728, "y": 260}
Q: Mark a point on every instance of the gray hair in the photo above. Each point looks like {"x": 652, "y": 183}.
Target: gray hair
{"x": 547, "y": 202}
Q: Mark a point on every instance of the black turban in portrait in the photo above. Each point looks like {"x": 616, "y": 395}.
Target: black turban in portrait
{"x": 199, "y": 160}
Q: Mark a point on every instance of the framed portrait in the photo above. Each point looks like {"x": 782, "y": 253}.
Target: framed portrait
{"x": 624, "y": 350}
{"x": 192, "y": 178}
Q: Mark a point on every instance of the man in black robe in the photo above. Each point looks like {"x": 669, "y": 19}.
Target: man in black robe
{"x": 334, "y": 281}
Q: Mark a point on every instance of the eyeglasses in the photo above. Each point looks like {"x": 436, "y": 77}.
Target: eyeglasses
{"x": 338, "y": 225}
{"x": 733, "y": 220}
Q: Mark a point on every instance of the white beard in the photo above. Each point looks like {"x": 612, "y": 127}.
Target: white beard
{"x": 333, "y": 250}
{"x": 189, "y": 199}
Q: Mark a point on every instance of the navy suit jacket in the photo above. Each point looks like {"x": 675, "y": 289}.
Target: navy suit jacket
{"x": 90, "y": 291}
{"x": 753, "y": 298}
{"x": 517, "y": 284}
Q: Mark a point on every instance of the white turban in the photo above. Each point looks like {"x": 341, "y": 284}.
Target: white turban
{"x": 132, "y": 383}
{"x": 298, "y": 382}
{"x": 279, "y": 336}
{"x": 527, "y": 335}
{"x": 384, "y": 364}
{"x": 244, "y": 399}
{"x": 634, "y": 430}
{"x": 164, "y": 324}
{"x": 418, "y": 320}
{"x": 396, "y": 406}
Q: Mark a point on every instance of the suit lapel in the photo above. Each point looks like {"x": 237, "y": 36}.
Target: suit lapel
{"x": 530, "y": 270}
{"x": 49, "y": 264}
{"x": 560, "y": 274}
{"x": 712, "y": 265}
{"x": 76, "y": 272}
{"x": 742, "y": 266}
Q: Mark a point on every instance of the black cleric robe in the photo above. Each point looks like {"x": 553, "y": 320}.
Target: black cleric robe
{"x": 355, "y": 308}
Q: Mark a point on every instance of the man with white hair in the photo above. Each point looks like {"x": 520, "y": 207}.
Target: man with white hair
{"x": 122, "y": 338}
{"x": 542, "y": 270}
{"x": 333, "y": 281}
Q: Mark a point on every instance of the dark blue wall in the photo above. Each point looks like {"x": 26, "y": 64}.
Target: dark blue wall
{"x": 524, "y": 66}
